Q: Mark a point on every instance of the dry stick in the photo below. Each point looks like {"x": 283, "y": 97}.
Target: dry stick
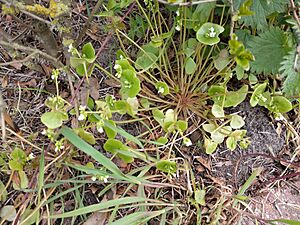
{"x": 2, "y": 110}
{"x": 107, "y": 39}
{"x": 87, "y": 23}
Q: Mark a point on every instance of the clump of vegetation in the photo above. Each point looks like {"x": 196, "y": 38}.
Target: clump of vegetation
{"x": 181, "y": 67}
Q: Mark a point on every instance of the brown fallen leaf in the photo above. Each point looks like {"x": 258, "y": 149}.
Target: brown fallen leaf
{"x": 94, "y": 88}
{"x": 204, "y": 162}
{"x": 112, "y": 83}
{"x": 97, "y": 218}
{"x": 4, "y": 81}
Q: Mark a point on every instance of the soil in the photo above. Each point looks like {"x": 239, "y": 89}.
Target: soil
{"x": 236, "y": 166}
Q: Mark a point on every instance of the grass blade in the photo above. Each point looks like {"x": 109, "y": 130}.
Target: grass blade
{"x": 88, "y": 149}
{"x": 100, "y": 206}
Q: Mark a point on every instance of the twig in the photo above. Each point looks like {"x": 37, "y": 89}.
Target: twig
{"x": 185, "y": 3}
{"x": 231, "y": 21}
{"x": 19, "y": 61}
{"x": 29, "y": 49}
{"x": 26, "y": 12}
{"x": 2, "y": 122}
{"x": 87, "y": 23}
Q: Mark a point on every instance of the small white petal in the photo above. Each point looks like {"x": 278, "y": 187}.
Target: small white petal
{"x": 81, "y": 117}
{"x": 93, "y": 178}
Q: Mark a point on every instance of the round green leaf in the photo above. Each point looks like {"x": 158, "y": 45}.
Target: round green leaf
{"x": 231, "y": 143}
{"x": 234, "y": 98}
{"x": 190, "y": 66}
{"x": 237, "y": 122}
{"x": 208, "y": 33}
{"x": 145, "y": 61}
{"x": 8, "y": 213}
{"x": 210, "y": 146}
{"x": 282, "y": 104}
{"x": 166, "y": 166}
{"x": 130, "y": 84}
{"x": 88, "y": 52}
{"x": 162, "y": 88}
{"x": 52, "y": 119}
{"x": 217, "y": 111}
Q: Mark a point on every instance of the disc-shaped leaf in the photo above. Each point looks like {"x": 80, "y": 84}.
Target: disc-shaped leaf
{"x": 234, "y": 98}
{"x": 88, "y": 52}
{"x": 8, "y": 212}
{"x": 190, "y": 66}
{"x": 237, "y": 122}
{"x": 282, "y": 104}
{"x": 52, "y": 119}
{"x": 166, "y": 166}
{"x": 208, "y": 33}
{"x": 217, "y": 111}
{"x": 130, "y": 84}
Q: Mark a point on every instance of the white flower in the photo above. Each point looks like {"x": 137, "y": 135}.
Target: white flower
{"x": 44, "y": 132}
{"x": 117, "y": 67}
{"x": 279, "y": 116}
{"x": 211, "y": 29}
{"x": 187, "y": 141}
{"x": 105, "y": 179}
{"x": 56, "y": 149}
{"x": 100, "y": 129}
{"x": 161, "y": 90}
{"x": 31, "y": 156}
{"x": 177, "y": 28}
{"x": 93, "y": 178}
{"x": 118, "y": 75}
{"x": 177, "y": 13}
{"x": 70, "y": 48}
{"x": 82, "y": 108}
{"x": 81, "y": 117}
{"x": 52, "y": 77}
{"x": 212, "y": 34}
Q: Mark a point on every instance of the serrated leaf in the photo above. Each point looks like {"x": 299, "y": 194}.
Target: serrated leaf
{"x": 261, "y": 9}
{"x": 291, "y": 84}
{"x": 269, "y": 49}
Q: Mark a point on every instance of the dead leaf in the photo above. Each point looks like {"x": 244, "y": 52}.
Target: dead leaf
{"x": 204, "y": 162}
{"x": 4, "y": 81}
{"x": 17, "y": 65}
{"x": 112, "y": 83}
{"x": 31, "y": 83}
{"x": 94, "y": 88}
{"x": 97, "y": 218}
